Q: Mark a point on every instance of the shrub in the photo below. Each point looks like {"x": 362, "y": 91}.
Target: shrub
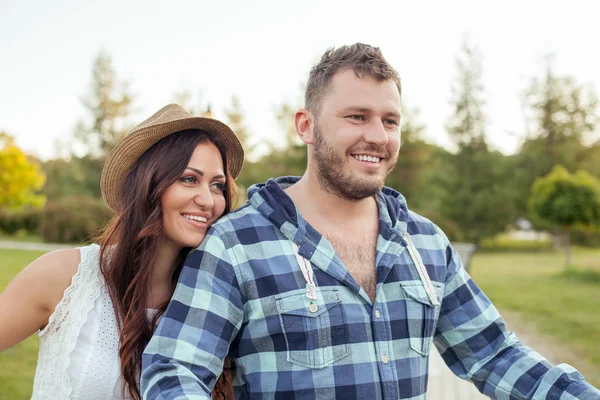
{"x": 73, "y": 219}
{"x": 27, "y": 220}
{"x": 586, "y": 238}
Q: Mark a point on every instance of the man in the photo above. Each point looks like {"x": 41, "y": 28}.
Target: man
{"x": 328, "y": 287}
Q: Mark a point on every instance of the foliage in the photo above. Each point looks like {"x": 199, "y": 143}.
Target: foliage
{"x": 28, "y": 220}
{"x": 291, "y": 159}
{"x": 77, "y": 176}
{"x": 411, "y": 174}
{"x": 109, "y": 104}
{"x": 566, "y": 201}
{"x": 20, "y": 177}
{"x": 474, "y": 179}
{"x": 73, "y": 219}
{"x": 562, "y": 117}
{"x": 504, "y": 243}
{"x": 235, "y": 116}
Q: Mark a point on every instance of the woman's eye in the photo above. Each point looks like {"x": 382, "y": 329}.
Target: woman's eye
{"x": 188, "y": 179}
{"x": 219, "y": 186}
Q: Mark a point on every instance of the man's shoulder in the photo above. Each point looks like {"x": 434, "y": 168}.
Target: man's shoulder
{"x": 240, "y": 219}
{"x": 418, "y": 223}
{"x": 426, "y": 232}
{"x": 398, "y": 209}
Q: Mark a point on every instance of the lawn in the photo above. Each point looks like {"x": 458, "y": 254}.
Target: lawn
{"x": 562, "y": 304}
{"x": 17, "y": 364}
{"x": 22, "y": 238}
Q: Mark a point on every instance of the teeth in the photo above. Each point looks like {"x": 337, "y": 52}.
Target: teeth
{"x": 195, "y": 218}
{"x": 362, "y": 157}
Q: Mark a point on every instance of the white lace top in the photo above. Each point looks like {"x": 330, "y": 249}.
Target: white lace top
{"x": 78, "y": 356}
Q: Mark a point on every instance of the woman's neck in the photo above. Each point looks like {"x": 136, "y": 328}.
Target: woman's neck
{"x": 161, "y": 284}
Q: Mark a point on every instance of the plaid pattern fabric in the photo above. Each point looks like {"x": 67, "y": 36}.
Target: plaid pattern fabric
{"x": 242, "y": 293}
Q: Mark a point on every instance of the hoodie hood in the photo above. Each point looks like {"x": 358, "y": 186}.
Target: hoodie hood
{"x": 270, "y": 200}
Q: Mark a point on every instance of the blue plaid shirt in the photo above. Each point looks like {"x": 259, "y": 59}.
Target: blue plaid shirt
{"x": 242, "y": 294}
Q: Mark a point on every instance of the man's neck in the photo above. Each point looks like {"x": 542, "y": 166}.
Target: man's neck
{"x": 317, "y": 204}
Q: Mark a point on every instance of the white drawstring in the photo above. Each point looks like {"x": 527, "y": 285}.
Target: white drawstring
{"x": 307, "y": 272}
{"x": 416, "y": 257}
{"x": 311, "y": 287}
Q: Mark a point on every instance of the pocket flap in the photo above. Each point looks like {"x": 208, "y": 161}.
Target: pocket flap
{"x": 417, "y": 292}
{"x": 299, "y": 304}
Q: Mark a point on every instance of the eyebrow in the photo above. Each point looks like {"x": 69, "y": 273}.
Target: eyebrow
{"x": 367, "y": 110}
{"x": 202, "y": 173}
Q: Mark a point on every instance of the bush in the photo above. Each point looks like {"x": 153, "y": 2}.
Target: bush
{"x": 27, "y": 220}
{"x": 585, "y": 238}
{"x": 73, "y": 219}
{"x": 505, "y": 243}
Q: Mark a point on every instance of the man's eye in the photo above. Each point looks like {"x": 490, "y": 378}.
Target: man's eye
{"x": 391, "y": 122}
{"x": 357, "y": 117}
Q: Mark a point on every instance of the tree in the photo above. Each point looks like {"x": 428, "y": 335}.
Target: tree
{"x": 475, "y": 177}
{"x": 185, "y": 99}
{"x": 410, "y": 176}
{"x": 567, "y": 201}
{"x": 109, "y": 104}
{"x": 561, "y": 118}
{"x": 20, "y": 178}
{"x": 75, "y": 176}
{"x": 235, "y": 117}
{"x": 289, "y": 159}
{"x": 285, "y": 114}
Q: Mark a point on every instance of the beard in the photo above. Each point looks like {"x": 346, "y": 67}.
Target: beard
{"x": 335, "y": 176}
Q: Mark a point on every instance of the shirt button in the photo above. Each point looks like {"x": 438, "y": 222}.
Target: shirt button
{"x": 377, "y": 314}
{"x": 313, "y": 308}
{"x": 385, "y": 359}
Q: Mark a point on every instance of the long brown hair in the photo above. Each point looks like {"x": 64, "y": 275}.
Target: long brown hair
{"x": 130, "y": 242}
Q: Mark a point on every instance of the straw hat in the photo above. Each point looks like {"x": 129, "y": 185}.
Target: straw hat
{"x": 169, "y": 119}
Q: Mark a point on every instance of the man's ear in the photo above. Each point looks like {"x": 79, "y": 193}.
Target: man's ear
{"x": 304, "y": 122}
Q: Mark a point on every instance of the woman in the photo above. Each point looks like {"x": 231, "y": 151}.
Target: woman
{"x": 96, "y": 307}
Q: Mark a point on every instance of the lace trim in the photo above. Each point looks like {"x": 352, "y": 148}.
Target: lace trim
{"x": 56, "y": 344}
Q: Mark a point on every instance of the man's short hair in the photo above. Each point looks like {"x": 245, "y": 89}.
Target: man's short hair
{"x": 361, "y": 58}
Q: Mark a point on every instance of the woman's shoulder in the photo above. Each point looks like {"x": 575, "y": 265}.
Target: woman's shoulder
{"x": 57, "y": 270}
{"x": 64, "y": 264}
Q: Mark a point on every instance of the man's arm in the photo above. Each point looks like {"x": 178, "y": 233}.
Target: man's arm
{"x": 474, "y": 342}
{"x": 185, "y": 356}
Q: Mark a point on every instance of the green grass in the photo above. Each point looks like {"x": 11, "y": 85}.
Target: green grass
{"x": 505, "y": 243}
{"x": 561, "y": 303}
{"x": 22, "y": 237}
{"x": 17, "y": 363}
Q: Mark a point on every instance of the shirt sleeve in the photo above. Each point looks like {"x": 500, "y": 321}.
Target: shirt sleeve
{"x": 474, "y": 342}
{"x": 185, "y": 356}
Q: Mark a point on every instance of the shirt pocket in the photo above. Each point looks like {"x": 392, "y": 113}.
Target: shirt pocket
{"x": 315, "y": 330}
{"x": 421, "y": 315}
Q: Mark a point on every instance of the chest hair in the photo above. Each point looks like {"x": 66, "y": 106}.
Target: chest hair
{"x": 357, "y": 252}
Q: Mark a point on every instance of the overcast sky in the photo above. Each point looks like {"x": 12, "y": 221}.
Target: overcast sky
{"x": 262, "y": 51}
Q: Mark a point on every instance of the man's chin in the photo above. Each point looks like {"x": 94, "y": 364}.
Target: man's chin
{"x": 361, "y": 190}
